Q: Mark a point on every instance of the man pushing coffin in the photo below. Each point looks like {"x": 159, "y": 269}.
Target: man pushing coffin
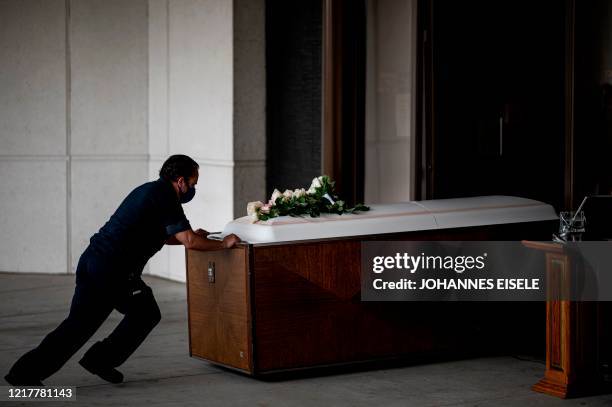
{"x": 108, "y": 277}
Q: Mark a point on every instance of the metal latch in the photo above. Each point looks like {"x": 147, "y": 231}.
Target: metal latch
{"x": 211, "y": 271}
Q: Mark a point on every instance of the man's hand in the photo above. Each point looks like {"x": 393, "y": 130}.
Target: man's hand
{"x": 172, "y": 240}
{"x": 230, "y": 240}
{"x": 192, "y": 240}
{"x": 201, "y": 232}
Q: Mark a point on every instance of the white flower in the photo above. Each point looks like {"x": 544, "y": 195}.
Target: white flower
{"x": 298, "y": 193}
{"x": 316, "y": 183}
{"x": 254, "y": 217}
{"x": 252, "y": 207}
{"x": 276, "y": 194}
{"x": 287, "y": 194}
{"x": 265, "y": 208}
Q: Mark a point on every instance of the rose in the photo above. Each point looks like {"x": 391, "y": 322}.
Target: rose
{"x": 275, "y": 195}
{"x": 287, "y": 195}
{"x": 294, "y": 202}
{"x": 316, "y": 183}
{"x": 252, "y": 207}
{"x": 300, "y": 192}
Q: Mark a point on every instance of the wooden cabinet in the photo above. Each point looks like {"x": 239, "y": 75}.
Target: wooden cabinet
{"x": 219, "y": 307}
{"x": 265, "y": 308}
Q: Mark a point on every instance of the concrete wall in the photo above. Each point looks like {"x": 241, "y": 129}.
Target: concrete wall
{"x": 73, "y": 134}
{"x": 95, "y": 94}
{"x": 191, "y": 108}
{"x": 108, "y": 110}
{"x": 207, "y": 99}
{"x": 33, "y": 136}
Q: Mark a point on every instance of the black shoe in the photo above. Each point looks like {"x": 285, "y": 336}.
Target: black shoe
{"x": 110, "y": 374}
{"x": 14, "y": 380}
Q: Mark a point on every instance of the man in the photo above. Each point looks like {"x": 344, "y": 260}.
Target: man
{"x": 108, "y": 277}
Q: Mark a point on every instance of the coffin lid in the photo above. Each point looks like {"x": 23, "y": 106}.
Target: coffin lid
{"x": 394, "y": 218}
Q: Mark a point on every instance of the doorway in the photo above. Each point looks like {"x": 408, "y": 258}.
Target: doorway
{"x": 493, "y": 82}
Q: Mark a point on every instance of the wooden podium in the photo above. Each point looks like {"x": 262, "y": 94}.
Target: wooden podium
{"x": 571, "y": 333}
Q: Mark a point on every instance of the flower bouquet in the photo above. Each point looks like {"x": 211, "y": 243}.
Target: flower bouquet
{"x": 319, "y": 198}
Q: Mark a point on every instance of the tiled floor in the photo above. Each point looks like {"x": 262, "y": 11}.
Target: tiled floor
{"x": 161, "y": 372}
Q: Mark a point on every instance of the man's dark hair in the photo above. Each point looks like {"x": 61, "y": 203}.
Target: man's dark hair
{"x": 177, "y": 166}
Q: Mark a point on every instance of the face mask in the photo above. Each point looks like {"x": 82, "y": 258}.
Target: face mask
{"x": 187, "y": 196}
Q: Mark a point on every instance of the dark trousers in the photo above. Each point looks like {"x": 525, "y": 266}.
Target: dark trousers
{"x": 96, "y": 294}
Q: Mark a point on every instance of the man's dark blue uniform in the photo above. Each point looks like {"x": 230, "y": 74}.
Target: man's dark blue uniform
{"x": 107, "y": 278}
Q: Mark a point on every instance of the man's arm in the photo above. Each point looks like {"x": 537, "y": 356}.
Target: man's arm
{"x": 192, "y": 240}
{"x": 172, "y": 240}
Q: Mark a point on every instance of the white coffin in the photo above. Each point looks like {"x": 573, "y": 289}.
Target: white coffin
{"x": 392, "y": 218}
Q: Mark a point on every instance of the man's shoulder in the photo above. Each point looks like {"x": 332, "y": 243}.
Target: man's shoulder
{"x": 158, "y": 192}
{"x": 143, "y": 194}
{"x": 156, "y": 187}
